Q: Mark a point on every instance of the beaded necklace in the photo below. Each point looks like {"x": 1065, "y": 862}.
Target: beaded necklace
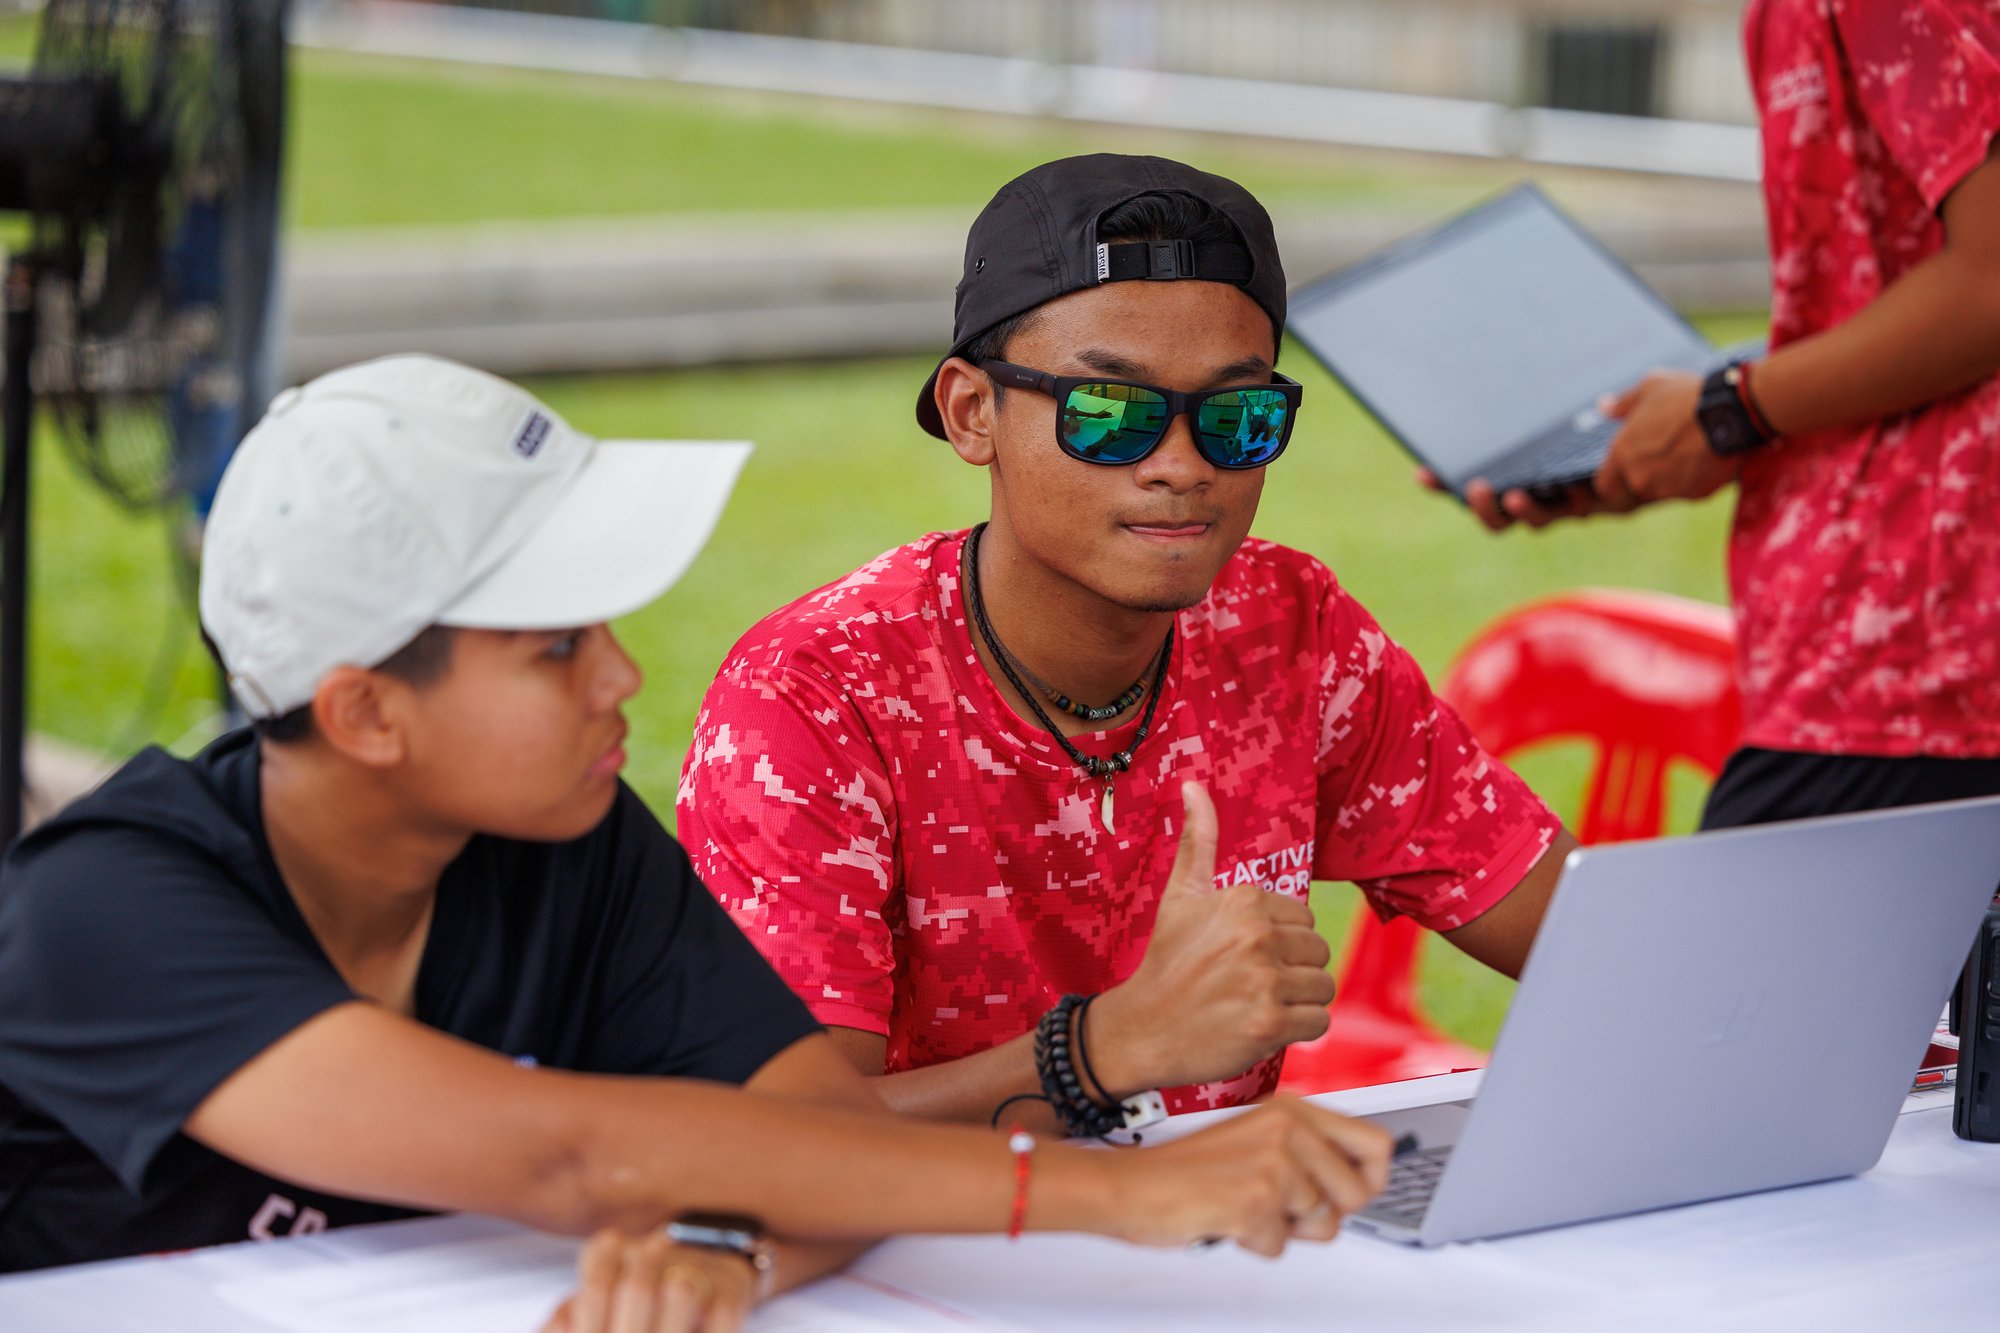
{"x": 1108, "y": 769}
{"x": 1088, "y": 712}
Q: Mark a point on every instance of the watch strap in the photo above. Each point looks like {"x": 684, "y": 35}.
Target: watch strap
{"x": 728, "y": 1233}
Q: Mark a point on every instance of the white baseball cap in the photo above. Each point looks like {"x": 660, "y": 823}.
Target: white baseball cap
{"x": 394, "y": 495}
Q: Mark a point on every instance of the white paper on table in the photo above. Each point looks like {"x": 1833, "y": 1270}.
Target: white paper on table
{"x": 494, "y": 1284}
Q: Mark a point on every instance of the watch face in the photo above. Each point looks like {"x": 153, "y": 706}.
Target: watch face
{"x": 730, "y": 1232}
{"x": 1722, "y": 418}
{"x": 712, "y": 1237}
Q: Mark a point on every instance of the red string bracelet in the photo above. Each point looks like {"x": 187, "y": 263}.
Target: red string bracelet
{"x": 1749, "y": 401}
{"x": 1023, "y": 1145}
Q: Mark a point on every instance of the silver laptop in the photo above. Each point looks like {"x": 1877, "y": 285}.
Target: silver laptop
{"x": 1484, "y": 344}
{"x": 1706, "y": 1016}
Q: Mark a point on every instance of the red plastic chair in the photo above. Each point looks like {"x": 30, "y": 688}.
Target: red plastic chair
{"x": 1647, "y": 678}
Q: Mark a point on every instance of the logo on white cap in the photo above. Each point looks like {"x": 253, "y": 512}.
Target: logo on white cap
{"x": 533, "y": 431}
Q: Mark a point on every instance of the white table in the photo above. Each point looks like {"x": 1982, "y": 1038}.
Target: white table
{"x": 1915, "y": 1243}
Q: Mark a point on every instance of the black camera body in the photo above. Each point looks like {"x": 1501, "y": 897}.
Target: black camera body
{"x": 1976, "y": 1105}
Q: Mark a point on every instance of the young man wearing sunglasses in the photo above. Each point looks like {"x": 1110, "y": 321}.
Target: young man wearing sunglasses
{"x": 943, "y": 793}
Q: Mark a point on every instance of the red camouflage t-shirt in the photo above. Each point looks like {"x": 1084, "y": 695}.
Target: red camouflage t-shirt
{"x": 917, "y": 861}
{"x": 1865, "y": 562}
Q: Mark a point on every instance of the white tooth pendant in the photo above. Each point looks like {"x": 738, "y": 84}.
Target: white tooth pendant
{"x": 1104, "y": 808}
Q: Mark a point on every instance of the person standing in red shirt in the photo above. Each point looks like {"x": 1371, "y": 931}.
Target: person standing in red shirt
{"x": 944, "y": 794}
{"x": 1865, "y": 560}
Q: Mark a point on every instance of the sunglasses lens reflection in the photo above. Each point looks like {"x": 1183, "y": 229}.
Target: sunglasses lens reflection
{"x": 1243, "y": 428}
{"x": 1112, "y": 423}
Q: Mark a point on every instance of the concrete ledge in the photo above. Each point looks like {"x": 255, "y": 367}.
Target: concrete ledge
{"x": 637, "y": 295}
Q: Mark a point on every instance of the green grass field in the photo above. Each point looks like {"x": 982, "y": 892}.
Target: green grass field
{"x": 841, "y": 471}
{"x": 397, "y": 141}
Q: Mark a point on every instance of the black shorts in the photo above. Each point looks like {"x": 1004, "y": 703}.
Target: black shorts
{"x": 1762, "y": 786}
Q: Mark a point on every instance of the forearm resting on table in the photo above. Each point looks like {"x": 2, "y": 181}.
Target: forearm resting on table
{"x": 795, "y": 1263}
{"x": 364, "y": 1103}
{"x": 828, "y": 1173}
{"x": 1934, "y": 332}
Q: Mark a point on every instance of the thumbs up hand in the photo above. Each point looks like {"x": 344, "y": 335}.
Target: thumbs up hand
{"x": 1193, "y": 873}
{"x": 1230, "y": 977}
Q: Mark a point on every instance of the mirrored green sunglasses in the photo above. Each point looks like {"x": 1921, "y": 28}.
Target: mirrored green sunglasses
{"x": 1116, "y": 422}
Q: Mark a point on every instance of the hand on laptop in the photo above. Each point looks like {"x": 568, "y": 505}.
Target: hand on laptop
{"x": 1502, "y": 511}
{"x": 1284, "y": 1171}
{"x": 1499, "y": 512}
{"x": 1230, "y": 977}
{"x": 1661, "y": 454}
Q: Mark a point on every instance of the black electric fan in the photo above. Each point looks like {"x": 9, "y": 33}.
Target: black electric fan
{"x": 144, "y": 145}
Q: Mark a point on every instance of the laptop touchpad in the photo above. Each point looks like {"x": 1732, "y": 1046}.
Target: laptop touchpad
{"x": 1435, "y": 1126}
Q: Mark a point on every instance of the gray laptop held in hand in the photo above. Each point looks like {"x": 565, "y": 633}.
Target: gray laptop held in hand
{"x": 1706, "y": 1016}
{"x": 1484, "y": 344}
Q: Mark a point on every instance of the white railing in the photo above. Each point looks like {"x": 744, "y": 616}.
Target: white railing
{"x": 1018, "y": 85}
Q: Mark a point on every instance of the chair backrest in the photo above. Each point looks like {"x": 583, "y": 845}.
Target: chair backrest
{"x": 1647, "y": 677}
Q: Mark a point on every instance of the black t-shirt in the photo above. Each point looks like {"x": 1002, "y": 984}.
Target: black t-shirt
{"x": 149, "y": 949}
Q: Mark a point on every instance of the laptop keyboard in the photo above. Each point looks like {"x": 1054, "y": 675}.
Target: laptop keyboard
{"x": 1558, "y": 462}
{"x": 1413, "y": 1179}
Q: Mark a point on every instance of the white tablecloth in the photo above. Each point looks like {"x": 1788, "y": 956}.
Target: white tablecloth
{"x": 1913, "y": 1244}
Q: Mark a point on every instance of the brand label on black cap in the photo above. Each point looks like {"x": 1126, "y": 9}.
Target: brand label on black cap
{"x": 1103, "y": 261}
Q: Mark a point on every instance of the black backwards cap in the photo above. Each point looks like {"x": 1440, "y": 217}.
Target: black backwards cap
{"x": 1037, "y": 240}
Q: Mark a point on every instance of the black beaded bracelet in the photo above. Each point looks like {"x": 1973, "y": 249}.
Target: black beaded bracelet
{"x": 1080, "y": 1114}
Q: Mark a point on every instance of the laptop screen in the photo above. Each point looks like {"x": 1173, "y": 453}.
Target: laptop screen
{"x": 1474, "y": 338}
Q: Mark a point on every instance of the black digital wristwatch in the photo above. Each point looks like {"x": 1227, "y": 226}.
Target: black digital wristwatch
{"x": 1728, "y": 415}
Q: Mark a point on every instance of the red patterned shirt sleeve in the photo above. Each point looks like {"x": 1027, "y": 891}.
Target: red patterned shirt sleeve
{"x": 1412, "y": 809}
{"x": 1927, "y": 73}
{"x": 787, "y": 812}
